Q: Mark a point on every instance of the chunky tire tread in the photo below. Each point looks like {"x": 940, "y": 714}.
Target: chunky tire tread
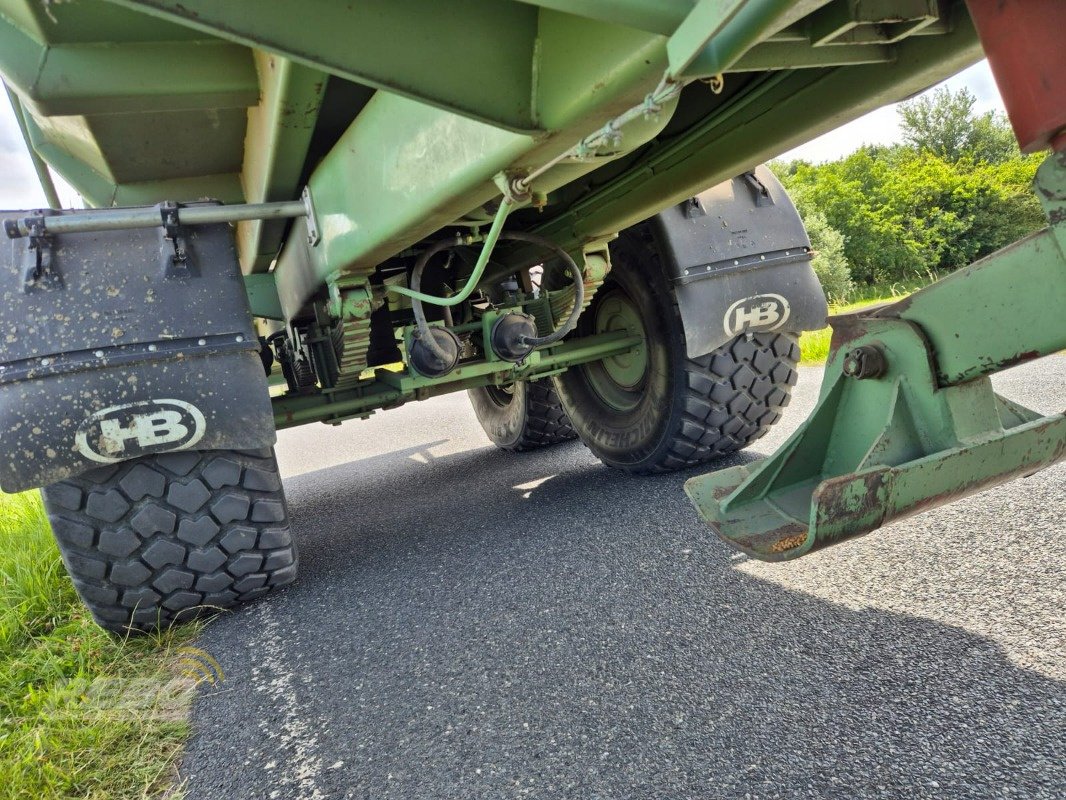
{"x": 717, "y": 403}
{"x": 546, "y": 422}
{"x": 534, "y": 418}
{"x": 732, "y": 397}
{"x": 164, "y": 539}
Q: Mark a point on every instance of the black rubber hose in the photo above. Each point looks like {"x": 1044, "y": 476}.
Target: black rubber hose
{"x": 534, "y": 342}
{"x": 424, "y": 334}
{"x": 579, "y": 287}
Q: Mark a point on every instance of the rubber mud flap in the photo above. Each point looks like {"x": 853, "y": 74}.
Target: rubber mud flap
{"x": 740, "y": 262}
{"x": 121, "y": 344}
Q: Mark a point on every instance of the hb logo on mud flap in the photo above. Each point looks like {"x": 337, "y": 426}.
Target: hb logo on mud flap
{"x": 136, "y": 429}
{"x": 761, "y": 312}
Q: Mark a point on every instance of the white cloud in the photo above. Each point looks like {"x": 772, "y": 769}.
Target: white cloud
{"x": 18, "y": 181}
{"x": 19, "y": 188}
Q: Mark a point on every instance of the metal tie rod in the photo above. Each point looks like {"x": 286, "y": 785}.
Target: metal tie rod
{"x": 114, "y": 219}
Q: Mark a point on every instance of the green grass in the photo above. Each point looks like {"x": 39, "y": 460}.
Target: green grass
{"x": 814, "y": 345}
{"x": 82, "y": 714}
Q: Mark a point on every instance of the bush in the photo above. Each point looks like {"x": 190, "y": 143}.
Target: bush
{"x": 910, "y": 215}
{"x": 958, "y": 190}
{"x": 830, "y": 263}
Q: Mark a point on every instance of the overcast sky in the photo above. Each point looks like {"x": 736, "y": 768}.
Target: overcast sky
{"x": 19, "y": 189}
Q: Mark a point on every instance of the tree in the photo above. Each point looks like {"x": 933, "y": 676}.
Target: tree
{"x": 909, "y": 215}
{"x": 944, "y": 123}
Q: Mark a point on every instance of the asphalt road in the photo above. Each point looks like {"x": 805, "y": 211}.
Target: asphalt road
{"x": 473, "y": 624}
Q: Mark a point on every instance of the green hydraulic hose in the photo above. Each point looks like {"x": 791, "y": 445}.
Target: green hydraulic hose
{"x": 479, "y": 267}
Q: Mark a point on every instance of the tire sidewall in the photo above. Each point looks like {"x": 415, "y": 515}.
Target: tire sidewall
{"x": 504, "y": 424}
{"x": 635, "y": 438}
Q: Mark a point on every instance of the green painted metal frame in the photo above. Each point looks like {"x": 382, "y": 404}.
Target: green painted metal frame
{"x": 100, "y": 190}
{"x": 409, "y": 48}
{"x": 371, "y": 207}
{"x": 404, "y": 169}
{"x": 788, "y": 108}
{"x": 279, "y": 134}
{"x": 929, "y": 428}
{"x": 91, "y": 78}
{"x": 121, "y": 104}
{"x": 535, "y": 77}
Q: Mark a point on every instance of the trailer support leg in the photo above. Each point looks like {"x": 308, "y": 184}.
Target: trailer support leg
{"x": 907, "y": 419}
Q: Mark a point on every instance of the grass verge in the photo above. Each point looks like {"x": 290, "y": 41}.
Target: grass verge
{"x": 81, "y": 714}
{"x": 814, "y": 345}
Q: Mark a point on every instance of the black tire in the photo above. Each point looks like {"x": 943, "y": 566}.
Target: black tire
{"x": 166, "y": 538}
{"x": 683, "y": 411}
{"x": 523, "y": 416}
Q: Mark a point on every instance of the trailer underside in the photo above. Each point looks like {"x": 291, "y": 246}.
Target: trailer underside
{"x": 351, "y": 144}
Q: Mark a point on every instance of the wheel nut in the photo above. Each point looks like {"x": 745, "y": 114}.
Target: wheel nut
{"x": 864, "y": 362}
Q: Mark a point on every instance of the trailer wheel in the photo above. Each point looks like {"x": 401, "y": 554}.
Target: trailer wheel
{"x": 654, "y": 409}
{"x": 523, "y": 416}
{"x": 166, "y": 538}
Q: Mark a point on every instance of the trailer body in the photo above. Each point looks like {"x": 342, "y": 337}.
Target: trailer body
{"x": 314, "y": 214}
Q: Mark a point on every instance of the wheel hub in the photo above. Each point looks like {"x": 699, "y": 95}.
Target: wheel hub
{"x": 619, "y": 379}
{"x": 617, "y": 313}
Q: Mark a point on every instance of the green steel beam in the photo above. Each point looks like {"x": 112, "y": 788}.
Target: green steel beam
{"x": 470, "y": 56}
{"x": 706, "y": 20}
{"x": 718, "y": 32}
{"x": 784, "y": 111}
{"x": 73, "y": 159}
{"x": 1006, "y": 308}
{"x": 800, "y": 55}
{"x": 653, "y": 16}
{"x": 587, "y": 73}
{"x": 857, "y": 21}
{"x": 275, "y": 148}
{"x": 80, "y": 21}
{"x": 999, "y": 314}
{"x": 101, "y": 191}
{"x": 44, "y": 177}
{"x": 111, "y": 78}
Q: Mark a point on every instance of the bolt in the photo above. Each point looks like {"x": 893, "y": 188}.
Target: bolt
{"x": 99, "y": 354}
{"x": 240, "y": 338}
{"x": 152, "y": 348}
{"x": 864, "y": 362}
{"x": 201, "y": 342}
{"x": 45, "y": 362}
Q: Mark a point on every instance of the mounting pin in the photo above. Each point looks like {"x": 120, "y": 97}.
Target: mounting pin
{"x": 864, "y": 362}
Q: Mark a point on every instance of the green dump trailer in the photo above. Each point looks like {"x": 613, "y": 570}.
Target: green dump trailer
{"x": 310, "y": 212}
